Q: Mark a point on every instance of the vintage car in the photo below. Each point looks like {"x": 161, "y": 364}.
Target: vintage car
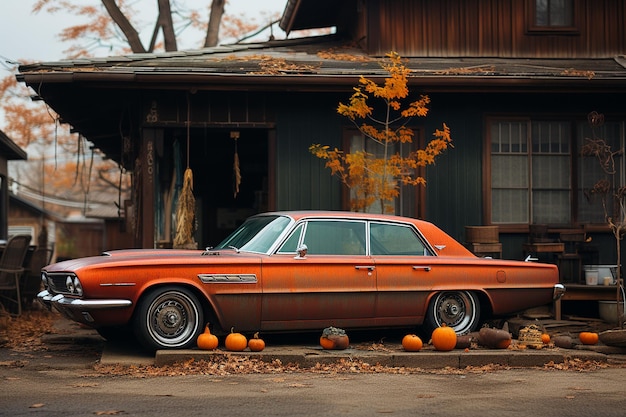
{"x": 296, "y": 271}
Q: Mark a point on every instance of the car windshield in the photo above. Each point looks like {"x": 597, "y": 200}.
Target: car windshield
{"x": 257, "y": 234}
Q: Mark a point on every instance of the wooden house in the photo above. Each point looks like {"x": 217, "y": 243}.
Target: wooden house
{"x": 515, "y": 80}
{"x": 9, "y": 151}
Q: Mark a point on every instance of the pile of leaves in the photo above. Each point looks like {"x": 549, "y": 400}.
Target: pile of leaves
{"x": 24, "y": 333}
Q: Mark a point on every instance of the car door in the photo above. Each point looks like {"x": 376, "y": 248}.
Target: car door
{"x": 404, "y": 272}
{"x": 333, "y": 284}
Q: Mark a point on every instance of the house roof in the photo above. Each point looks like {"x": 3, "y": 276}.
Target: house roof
{"x": 327, "y": 63}
{"x": 9, "y": 149}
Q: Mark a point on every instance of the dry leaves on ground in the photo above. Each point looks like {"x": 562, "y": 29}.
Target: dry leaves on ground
{"x": 24, "y": 332}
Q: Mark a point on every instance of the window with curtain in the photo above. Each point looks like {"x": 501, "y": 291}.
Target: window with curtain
{"x": 539, "y": 174}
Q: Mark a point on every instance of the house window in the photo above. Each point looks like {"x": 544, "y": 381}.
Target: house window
{"x": 552, "y": 16}
{"x": 539, "y": 174}
{"x": 591, "y": 203}
{"x": 530, "y": 172}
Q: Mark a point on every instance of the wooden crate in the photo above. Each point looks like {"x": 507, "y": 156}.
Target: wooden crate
{"x": 482, "y": 234}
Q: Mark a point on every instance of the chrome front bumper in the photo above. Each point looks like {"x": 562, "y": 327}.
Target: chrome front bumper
{"x": 559, "y": 290}
{"x": 61, "y": 302}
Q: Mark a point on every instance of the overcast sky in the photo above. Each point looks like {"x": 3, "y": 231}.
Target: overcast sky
{"x": 34, "y": 37}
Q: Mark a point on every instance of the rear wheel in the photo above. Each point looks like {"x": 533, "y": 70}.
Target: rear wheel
{"x": 168, "y": 318}
{"x": 458, "y": 309}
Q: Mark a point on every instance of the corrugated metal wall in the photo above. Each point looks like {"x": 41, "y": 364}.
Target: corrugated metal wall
{"x": 302, "y": 181}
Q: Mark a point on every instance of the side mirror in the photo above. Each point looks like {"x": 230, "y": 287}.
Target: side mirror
{"x": 302, "y": 250}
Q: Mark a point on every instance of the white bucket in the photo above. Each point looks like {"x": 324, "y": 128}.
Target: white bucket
{"x": 591, "y": 277}
{"x": 604, "y": 271}
{"x": 608, "y": 311}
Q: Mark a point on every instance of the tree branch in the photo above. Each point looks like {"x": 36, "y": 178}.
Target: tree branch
{"x": 131, "y": 34}
{"x": 213, "y": 30}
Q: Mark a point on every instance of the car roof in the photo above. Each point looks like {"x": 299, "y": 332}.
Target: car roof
{"x": 301, "y": 214}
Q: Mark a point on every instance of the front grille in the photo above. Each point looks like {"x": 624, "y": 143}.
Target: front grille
{"x": 56, "y": 283}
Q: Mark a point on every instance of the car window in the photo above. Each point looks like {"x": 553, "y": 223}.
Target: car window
{"x": 257, "y": 234}
{"x": 395, "y": 239}
{"x": 291, "y": 244}
{"x": 330, "y": 237}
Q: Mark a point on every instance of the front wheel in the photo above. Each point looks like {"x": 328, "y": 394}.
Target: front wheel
{"x": 168, "y": 318}
{"x": 458, "y": 309}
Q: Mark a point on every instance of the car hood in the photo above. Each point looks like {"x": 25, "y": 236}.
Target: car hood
{"x": 136, "y": 257}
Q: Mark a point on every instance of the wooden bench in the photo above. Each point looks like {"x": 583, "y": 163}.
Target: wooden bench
{"x": 578, "y": 292}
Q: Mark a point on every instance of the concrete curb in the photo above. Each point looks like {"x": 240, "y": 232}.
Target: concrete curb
{"x": 308, "y": 357}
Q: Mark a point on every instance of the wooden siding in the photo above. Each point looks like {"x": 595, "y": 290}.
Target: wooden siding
{"x": 491, "y": 28}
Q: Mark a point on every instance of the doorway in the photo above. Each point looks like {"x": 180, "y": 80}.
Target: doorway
{"x": 222, "y": 202}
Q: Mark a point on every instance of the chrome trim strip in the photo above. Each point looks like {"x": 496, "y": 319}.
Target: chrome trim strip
{"x": 118, "y": 284}
{"x": 78, "y": 304}
{"x": 227, "y": 278}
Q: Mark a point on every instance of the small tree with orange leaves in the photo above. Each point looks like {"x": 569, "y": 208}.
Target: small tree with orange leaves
{"x": 373, "y": 177}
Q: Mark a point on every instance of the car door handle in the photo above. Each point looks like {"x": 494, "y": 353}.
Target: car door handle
{"x": 367, "y": 267}
{"x": 424, "y": 267}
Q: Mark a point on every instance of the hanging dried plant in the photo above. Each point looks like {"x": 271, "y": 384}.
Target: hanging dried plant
{"x": 185, "y": 215}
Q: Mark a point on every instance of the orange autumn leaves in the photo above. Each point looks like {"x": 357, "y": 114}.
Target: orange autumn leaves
{"x": 376, "y": 177}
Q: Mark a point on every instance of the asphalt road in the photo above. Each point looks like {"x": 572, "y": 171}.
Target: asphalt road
{"x": 518, "y": 392}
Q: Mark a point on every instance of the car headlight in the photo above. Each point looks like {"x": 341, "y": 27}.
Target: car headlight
{"x": 69, "y": 284}
{"x": 78, "y": 287}
{"x": 44, "y": 281}
{"x": 74, "y": 286}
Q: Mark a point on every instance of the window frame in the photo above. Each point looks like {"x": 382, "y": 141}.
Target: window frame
{"x": 532, "y": 28}
{"x": 576, "y": 169}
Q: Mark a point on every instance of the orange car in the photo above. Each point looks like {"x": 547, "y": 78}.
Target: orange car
{"x": 287, "y": 271}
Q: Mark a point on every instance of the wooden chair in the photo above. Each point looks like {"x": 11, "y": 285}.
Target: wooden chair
{"x": 30, "y": 284}
{"x": 11, "y": 269}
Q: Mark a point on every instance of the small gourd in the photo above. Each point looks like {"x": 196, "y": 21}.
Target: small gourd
{"x": 545, "y": 338}
{"x": 412, "y": 343}
{"x": 256, "y": 344}
{"x": 588, "y": 338}
{"x": 444, "y": 338}
{"x": 235, "y": 342}
{"x": 334, "y": 338}
{"x": 207, "y": 340}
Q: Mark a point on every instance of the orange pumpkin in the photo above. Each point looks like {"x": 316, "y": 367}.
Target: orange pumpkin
{"x": 545, "y": 338}
{"x": 444, "y": 338}
{"x": 255, "y": 344}
{"x": 235, "y": 342}
{"x": 412, "y": 343}
{"x": 588, "y": 338}
{"x": 206, "y": 340}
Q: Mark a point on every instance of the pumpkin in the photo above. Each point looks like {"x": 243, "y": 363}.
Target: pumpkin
{"x": 545, "y": 338}
{"x": 255, "y": 344}
{"x": 207, "y": 340}
{"x": 588, "y": 338}
{"x": 334, "y": 338}
{"x": 412, "y": 343}
{"x": 235, "y": 342}
{"x": 444, "y": 338}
